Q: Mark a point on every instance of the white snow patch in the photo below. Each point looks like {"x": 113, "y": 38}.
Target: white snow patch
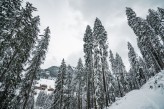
{"x": 150, "y": 96}
{"x": 50, "y": 84}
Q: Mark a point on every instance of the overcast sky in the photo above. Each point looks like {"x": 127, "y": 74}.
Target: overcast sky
{"x": 68, "y": 19}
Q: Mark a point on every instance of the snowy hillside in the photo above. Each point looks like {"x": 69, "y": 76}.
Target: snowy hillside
{"x": 50, "y": 72}
{"x": 150, "y": 96}
{"x": 49, "y": 83}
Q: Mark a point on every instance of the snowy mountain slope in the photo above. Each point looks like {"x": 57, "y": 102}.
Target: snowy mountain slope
{"x": 150, "y": 96}
{"x": 50, "y": 72}
{"x": 48, "y": 82}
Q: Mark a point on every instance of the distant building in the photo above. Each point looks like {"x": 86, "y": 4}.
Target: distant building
{"x": 41, "y": 87}
{"x": 50, "y": 89}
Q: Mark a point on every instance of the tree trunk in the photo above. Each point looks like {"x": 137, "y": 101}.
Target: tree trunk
{"x": 104, "y": 84}
{"x": 88, "y": 91}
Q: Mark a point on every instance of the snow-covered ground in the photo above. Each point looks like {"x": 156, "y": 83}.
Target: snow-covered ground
{"x": 150, "y": 96}
{"x": 48, "y": 82}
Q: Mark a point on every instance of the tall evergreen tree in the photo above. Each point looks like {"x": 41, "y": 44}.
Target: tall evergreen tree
{"x": 69, "y": 87}
{"x": 80, "y": 82}
{"x": 113, "y": 90}
{"x": 37, "y": 60}
{"x": 100, "y": 42}
{"x": 88, "y": 50}
{"x": 59, "y": 88}
{"x": 120, "y": 75}
{"x": 131, "y": 78}
{"x": 98, "y": 88}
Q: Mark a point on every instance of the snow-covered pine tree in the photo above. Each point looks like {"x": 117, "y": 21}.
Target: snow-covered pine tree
{"x": 34, "y": 67}
{"x": 134, "y": 63}
{"x": 59, "y": 88}
{"x": 113, "y": 87}
{"x": 99, "y": 90}
{"x": 69, "y": 88}
{"x": 48, "y": 102}
{"x": 154, "y": 21}
{"x": 147, "y": 41}
{"x": 9, "y": 9}
{"x": 97, "y": 76}
{"x": 120, "y": 75}
{"x": 40, "y": 101}
{"x": 100, "y": 43}
{"x": 22, "y": 36}
{"x": 79, "y": 82}
{"x": 88, "y": 50}
{"x": 132, "y": 80}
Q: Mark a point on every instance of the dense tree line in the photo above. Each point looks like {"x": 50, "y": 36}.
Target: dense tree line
{"x": 93, "y": 85}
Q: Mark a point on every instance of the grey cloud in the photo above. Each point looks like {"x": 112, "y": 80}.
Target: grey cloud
{"x": 80, "y": 12}
{"x": 113, "y": 17}
{"x": 74, "y": 57}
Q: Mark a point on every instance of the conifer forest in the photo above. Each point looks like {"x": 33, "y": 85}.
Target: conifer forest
{"x": 99, "y": 79}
